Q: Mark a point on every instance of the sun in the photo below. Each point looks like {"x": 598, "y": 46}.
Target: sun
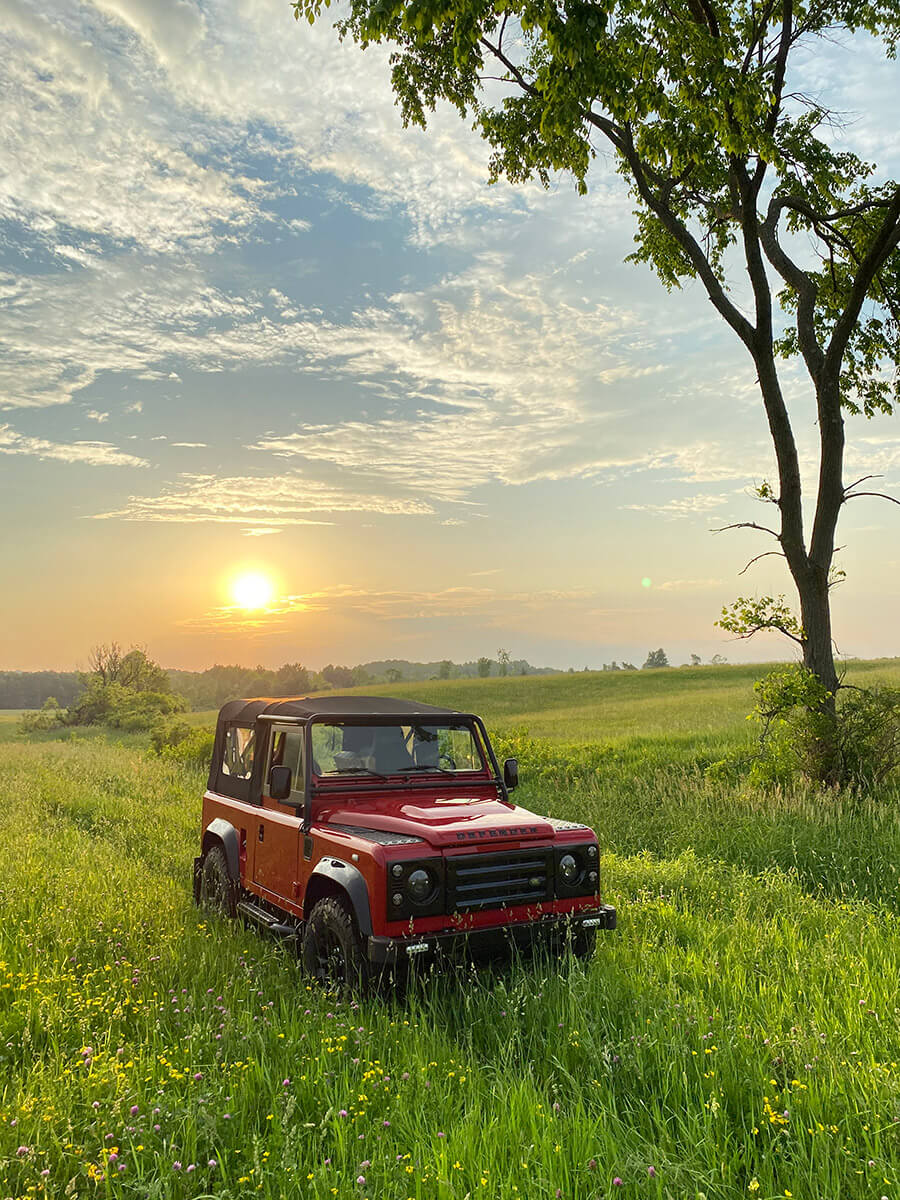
{"x": 252, "y": 590}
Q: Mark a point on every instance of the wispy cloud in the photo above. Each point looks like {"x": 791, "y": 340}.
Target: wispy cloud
{"x": 93, "y": 454}
{"x": 490, "y": 607}
{"x": 262, "y": 503}
{"x": 689, "y": 585}
{"x": 684, "y": 506}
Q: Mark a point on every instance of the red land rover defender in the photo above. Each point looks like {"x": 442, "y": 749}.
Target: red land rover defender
{"x": 379, "y": 830}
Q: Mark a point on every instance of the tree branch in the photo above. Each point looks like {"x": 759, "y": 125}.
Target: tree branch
{"x": 877, "y": 495}
{"x": 749, "y": 525}
{"x": 804, "y": 286}
{"x": 885, "y": 242}
{"x": 765, "y": 554}
{"x": 862, "y": 479}
{"x": 682, "y": 235}
{"x": 511, "y": 67}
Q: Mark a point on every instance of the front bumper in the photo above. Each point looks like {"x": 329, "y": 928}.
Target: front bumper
{"x": 495, "y": 940}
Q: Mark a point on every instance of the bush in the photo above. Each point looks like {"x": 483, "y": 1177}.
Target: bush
{"x": 168, "y": 731}
{"x": 141, "y": 710}
{"x": 122, "y": 707}
{"x": 869, "y": 734}
{"x": 195, "y": 750}
{"x": 859, "y": 747}
{"x": 182, "y": 743}
{"x": 49, "y": 716}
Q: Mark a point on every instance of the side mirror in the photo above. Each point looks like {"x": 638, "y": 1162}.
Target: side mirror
{"x": 511, "y": 773}
{"x": 280, "y": 783}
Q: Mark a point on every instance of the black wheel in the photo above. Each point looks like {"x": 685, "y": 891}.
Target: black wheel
{"x": 216, "y": 886}
{"x": 332, "y": 949}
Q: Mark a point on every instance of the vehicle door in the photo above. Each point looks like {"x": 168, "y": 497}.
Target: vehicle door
{"x": 276, "y": 850}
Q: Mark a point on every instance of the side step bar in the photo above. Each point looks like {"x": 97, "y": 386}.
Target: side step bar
{"x": 259, "y": 915}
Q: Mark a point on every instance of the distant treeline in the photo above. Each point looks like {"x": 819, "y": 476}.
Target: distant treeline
{"x": 211, "y": 688}
{"x": 29, "y": 689}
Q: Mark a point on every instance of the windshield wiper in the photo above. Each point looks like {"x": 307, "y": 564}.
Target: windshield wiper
{"x": 425, "y": 767}
{"x": 356, "y": 771}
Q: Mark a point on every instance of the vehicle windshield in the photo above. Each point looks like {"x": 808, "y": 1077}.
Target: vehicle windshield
{"x": 401, "y": 749}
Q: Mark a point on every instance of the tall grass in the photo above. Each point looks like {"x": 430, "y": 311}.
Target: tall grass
{"x": 738, "y": 1035}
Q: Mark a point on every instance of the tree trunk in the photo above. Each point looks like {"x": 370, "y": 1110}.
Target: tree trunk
{"x": 815, "y": 616}
{"x": 811, "y": 569}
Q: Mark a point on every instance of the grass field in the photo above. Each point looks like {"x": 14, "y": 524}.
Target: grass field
{"x": 737, "y": 1036}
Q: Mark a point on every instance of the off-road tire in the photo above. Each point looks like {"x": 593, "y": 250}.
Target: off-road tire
{"x": 217, "y": 891}
{"x": 332, "y": 950}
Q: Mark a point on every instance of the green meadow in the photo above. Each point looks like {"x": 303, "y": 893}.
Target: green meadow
{"x": 738, "y": 1035}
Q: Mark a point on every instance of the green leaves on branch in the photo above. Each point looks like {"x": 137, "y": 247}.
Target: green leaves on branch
{"x": 749, "y": 615}
{"x": 689, "y": 99}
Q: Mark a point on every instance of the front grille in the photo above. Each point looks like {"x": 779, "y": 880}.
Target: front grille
{"x": 477, "y": 881}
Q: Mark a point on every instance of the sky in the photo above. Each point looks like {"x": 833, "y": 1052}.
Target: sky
{"x": 251, "y": 324}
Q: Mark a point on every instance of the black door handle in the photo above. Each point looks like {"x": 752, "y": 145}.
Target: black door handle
{"x": 262, "y": 833}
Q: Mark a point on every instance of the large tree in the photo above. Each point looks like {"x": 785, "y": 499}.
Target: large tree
{"x": 733, "y": 175}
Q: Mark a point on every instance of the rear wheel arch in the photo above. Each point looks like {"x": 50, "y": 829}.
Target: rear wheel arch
{"x": 222, "y": 833}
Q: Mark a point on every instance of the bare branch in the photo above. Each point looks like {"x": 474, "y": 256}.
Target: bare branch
{"x": 743, "y": 637}
{"x": 862, "y": 479}
{"x": 877, "y": 495}
{"x": 765, "y": 554}
{"x": 749, "y": 525}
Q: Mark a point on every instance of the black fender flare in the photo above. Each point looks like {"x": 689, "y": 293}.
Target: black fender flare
{"x": 351, "y": 881}
{"x": 224, "y": 833}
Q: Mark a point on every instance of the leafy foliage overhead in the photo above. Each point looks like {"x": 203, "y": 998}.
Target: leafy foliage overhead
{"x": 693, "y": 98}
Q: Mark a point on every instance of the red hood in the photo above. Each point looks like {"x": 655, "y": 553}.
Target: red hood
{"x": 440, "y": 820}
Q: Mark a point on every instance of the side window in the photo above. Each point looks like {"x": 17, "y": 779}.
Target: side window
{"x": 287, "y": 751}
{"x": 240, "y": 747}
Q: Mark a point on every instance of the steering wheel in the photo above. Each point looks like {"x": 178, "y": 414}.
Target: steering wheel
{"x": 449, "y": 758}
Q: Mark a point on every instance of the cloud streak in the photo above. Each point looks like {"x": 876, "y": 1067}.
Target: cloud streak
{"x": 256, "y": 501}
{"x": 92, "y": 454}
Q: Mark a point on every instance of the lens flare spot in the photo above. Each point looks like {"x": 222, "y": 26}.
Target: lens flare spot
{"x": 646, "y": 582}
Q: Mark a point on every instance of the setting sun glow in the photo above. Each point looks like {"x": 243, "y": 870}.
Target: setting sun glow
{"x": 252, "y": 590}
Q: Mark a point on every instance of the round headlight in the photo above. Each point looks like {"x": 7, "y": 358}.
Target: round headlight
{"x": 397, "y": 870}
{"x": 592, "y": 851}
{"x": 397, "y": 899}
{"x": 568, "y": 868}
{"x": 420, "y": 885}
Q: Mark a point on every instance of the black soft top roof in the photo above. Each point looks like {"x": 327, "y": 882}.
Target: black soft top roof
{"x": 303, "y": 707}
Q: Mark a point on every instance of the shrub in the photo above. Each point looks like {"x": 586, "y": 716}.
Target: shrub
{"x": 869, "y": 734}
{"x": 858, "y": 747}
{"x": 168, "y": 731}
{"x": 141, "y": 710}
{"x": 122, "y": 707}
{"x": 49, "y": 716}
{"x": 195, "y": 750}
